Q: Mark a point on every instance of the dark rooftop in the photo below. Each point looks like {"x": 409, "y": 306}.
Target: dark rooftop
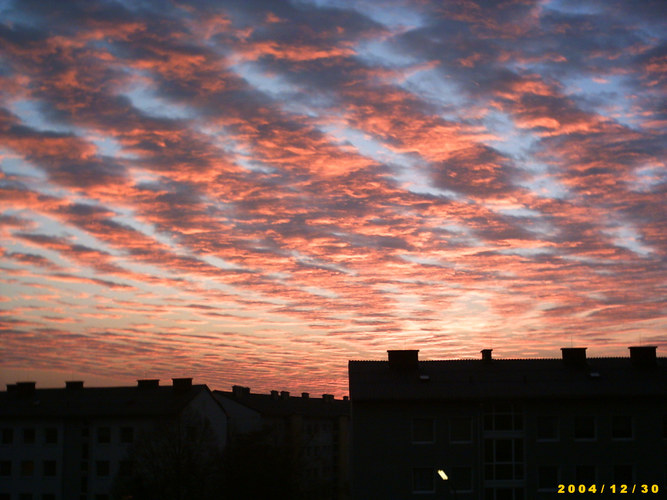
{"x": 76, "y": 401}
{"x": 283, "y": 404}
{"x": 488, "y": 378}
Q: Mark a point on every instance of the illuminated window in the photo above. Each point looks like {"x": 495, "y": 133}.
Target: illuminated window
{"x": 423, "y": 480}
{"x": 423, "y": 430}
{"x": 621, "y": 427}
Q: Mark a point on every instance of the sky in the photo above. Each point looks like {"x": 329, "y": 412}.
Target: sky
{"x": 256, "y": 192}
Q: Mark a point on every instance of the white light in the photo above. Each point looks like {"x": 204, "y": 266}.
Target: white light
{"x": 442, "y": 474}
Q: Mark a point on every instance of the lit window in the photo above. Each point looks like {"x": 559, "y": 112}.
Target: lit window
{"x": 584, "y": 427}
{"x": 423, "y": 480}
{"x": 423, "y": 430}
{"x": 621, "y": 427}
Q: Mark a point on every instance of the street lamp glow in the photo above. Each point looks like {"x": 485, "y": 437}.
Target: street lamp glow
{"x": 442, "y": 475}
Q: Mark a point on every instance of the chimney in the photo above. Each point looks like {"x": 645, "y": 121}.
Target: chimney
{"x": 25, "y": 388}
{"x": 284, "y": 395}
{"x": 11, "y": 388}
{"x": 305, "y": 395}
{"x": 148, "y": 383}
{"x": 346, "y": 398}
{"x": 327, "y": 397}
{"x": 181, "y": 384}
{"x": 73, "y": 385}
{"x": 643, "y": 356}
{"x": 274, "y": 394}
{"x": 406, "y": 360}
{"x": 574, "y": 356}
{"x": 239, "y": 390}
{"x": 486, "y": 355}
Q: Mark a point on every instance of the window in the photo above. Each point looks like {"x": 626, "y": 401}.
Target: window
{"x": 547, "y": 477}
{"x": 51, "y": 435}
{"x": 28, "y": 435}
{"x": 49, "y": 467}
{"x": 126, "y": 434}
{"x": 623, "y": 474}
{"x": 584, "y": 474}
{"x": 503, "y": 494}
{"x": 125, "y": 468}
{"x": 502, "y": 417}
{"x": 621, "y": 427}
{"x": 27, "y": 467}
{"x": 103, "y": 435}
{"x": 423, "y": 480}
{"x": 461, "y": 478}
{"x": 584, "y": 427}
{"x": 547, "y": 428}
{"x": 5, "y": 468}
{"x": 503, "y": 459}
{"x": 461, "y": 430}
{"x": 7, "y": 436}
{"x": 102, "y": 468}
{"x": 423, "y": 430}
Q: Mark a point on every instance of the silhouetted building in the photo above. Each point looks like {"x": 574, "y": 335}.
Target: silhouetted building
{"x": 70, "y": 443}
{"x": 314, "y": 431}
{"x": 506, "y": 428}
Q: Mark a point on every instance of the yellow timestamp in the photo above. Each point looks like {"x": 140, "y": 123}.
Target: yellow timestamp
{"x": 608, "y": 488}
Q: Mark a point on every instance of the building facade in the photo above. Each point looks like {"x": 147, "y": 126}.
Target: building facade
{"x": 313, "y": 431}
{"x": 494, "y": 429}
{"x": 72, "y": 443}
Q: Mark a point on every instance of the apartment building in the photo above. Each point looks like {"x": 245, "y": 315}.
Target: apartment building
{"x": 507, "y": 429}
{"x": 71, "y": 443}
{"x": 313, "y": 431}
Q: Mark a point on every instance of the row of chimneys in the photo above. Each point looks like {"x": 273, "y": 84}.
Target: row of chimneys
{"x": 179, "y": 384}
{"x": 640, "y": 356}
{"x": 240, "y": 391}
